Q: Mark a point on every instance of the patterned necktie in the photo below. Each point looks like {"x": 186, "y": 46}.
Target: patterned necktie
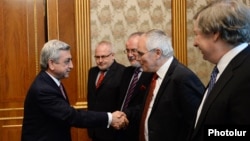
{"x": 101, "y": 77}
{"x": 131, "y": 88}
{"x": 61, "y": 88}
{"x": 146, "y": 106}
{"x": 212, "y": 80}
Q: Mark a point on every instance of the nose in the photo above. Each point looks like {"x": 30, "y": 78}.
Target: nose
{"x": 195, "y": 44}
{"x": 71, "y": 65}
{"x": 130, "y": 54}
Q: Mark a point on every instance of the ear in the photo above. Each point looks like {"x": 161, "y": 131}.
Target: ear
{"x": 158, "y": 52}
{"x": 51, "y": 64}
{"x": 216, "y": 36}
{"x": 113, "y": 55}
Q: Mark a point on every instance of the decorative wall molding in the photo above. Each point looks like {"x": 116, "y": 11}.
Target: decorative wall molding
{"x": 179, "y": 31}
{"x": 83, "y": 49}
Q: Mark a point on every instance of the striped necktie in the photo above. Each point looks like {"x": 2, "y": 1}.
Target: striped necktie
{"x": 131, "y": 87}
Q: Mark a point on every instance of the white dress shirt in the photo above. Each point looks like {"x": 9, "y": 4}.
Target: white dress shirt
{"x": 161, "y": 74}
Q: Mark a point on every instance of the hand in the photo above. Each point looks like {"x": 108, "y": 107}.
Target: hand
{"x": 119, "y": 120}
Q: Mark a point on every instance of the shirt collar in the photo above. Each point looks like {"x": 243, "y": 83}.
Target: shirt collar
{"x": 56, "y": 80}
{"x": 164, "y": 68}
{"x": 224, "y": 61}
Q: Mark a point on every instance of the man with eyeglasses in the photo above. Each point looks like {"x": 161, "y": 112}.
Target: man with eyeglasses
{"x": 176, "y": 94}
{"x": 132, "y": 89}
{"x": 103, "y": 87}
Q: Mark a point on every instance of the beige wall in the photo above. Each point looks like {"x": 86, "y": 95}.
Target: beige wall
{"x": 114, "y": 20}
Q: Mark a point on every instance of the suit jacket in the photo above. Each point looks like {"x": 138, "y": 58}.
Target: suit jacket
{"x": 105, "y": 98}
{"x": 229, "y": 101}
{"x": 132, "y": 131}
{"x": 175, "y": 105}
{"x": 48, "y": 116}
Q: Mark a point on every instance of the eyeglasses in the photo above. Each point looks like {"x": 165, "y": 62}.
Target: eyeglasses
{"x": 140, "y": 54}
{"x": 103, "y": 56}
{"x": 130, "y": 51}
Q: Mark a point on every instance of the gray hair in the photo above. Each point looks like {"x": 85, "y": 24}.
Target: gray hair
{"x": 50, "y": 51}
{"x": 230, "y": 18}
{"x": 158, "y": 39}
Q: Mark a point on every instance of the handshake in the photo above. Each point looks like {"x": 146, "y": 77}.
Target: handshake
{"x": 119, "y": 120}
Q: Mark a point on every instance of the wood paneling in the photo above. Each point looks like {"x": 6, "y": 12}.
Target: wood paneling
{"x": 61, "y": 25}
{"x": 21, "y": 38}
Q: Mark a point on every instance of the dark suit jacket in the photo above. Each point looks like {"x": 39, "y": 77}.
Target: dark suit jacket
{"x": 105, "y": 98}
{"x": 48, "y": 116}
{"x": 229, "y": 101}
{"x": 132, "y": 131}
{"x": 175, "y": 105}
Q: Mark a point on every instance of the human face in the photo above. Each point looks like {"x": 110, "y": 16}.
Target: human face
{"x": 205, "y": 42}
{"x": 147, "y": 58}
{"x": 104, "y": 57}
{"x": 60, "y": 69}
{"x": 131, "y": 50}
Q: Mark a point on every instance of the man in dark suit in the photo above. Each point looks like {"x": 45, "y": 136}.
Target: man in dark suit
{"x": 132, "y": 95}
{"x": 104, "y": 96}
{"x": 175, "y": 91}
{"x": 223, "y": 39}
{"x": 48, "y": 115}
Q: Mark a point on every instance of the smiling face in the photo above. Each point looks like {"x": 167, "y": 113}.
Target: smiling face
{"x": 147, "y": 58}
{"x": 205, "y": 42}
{"x": 131, "y": 50}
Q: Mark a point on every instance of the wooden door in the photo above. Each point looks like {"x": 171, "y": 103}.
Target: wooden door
{"x": 21, "y": 38}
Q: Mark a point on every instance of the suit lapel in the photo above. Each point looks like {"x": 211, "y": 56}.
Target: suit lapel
{"x": 92, "y": 78}
{"x": 221, "y": 82}
{"x": 109, "y": 73}
{"x": 51, "y": 82}
{"x": 164, "y": 83}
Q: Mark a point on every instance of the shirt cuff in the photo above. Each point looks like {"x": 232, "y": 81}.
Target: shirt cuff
{"x": 110, "y": 119}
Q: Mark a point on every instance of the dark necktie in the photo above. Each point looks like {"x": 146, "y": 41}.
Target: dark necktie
{"x": 146, "y": 106}
{"x": 61, "y": 88}
{"x": 101, "y": 77}
{"x": 131, "y": 88}
{"x": 210, "y": 87}
{"x": 212, "y": 80}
